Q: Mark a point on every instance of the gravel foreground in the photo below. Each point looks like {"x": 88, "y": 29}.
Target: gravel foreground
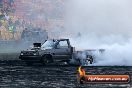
{"x": 16, "y": 74}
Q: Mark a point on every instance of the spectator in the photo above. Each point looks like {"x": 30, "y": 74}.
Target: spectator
{"x": 3, "y": 32}
{"x": 1, "y": 15}
{"x": 11, "y": 2}
{"x": 24, "y": 34}
{"x": 6, "y": 16}
{"x": 17, "y": 22}
{"x": 4, "y": 23}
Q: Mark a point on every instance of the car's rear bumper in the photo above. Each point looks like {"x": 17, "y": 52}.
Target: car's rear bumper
{"x": 30, "y": 58}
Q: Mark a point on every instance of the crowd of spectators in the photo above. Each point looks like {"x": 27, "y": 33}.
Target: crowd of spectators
{"x": 48, "y": 14}
{"x": 19, "y": 23}
{"x": 8, "y": 22}
{"x": 12, "y": 27}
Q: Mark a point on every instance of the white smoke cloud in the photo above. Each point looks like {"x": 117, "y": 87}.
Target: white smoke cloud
{"x": 101, "y": 24}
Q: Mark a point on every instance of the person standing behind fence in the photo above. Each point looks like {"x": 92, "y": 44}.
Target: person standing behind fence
{"x": 0, "y": 29}
{"x": 3, "y": 33}
{"x": 11, "y": 2}
{"x": 24, "y": 34}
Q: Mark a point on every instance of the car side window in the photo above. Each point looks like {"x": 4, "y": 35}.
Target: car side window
{"x": 62, "y": 44}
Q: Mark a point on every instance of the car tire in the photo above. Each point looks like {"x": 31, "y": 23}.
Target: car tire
{"x": 90, "y": 61}
{"x": 46, "y": 59}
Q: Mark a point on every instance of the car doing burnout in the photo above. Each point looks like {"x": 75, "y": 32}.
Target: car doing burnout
{"x": 52, "y": 50}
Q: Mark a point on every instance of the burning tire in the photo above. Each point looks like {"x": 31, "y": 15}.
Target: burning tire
{"x": 90, "y": 59}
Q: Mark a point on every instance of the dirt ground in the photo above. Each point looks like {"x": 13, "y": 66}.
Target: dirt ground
{"x": 16, "y": 74}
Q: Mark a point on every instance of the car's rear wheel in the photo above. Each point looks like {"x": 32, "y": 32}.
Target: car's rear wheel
{"x": 90, "y": 59}
{"x": 91, "y": 62}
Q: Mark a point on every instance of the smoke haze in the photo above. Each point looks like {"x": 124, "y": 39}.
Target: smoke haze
{"x": 107, "y": 24}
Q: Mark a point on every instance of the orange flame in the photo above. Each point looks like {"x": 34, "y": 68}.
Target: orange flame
{"x": 81, "y": 71}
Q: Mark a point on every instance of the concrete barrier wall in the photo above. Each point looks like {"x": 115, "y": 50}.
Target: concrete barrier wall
{"x": 9, "y": 56}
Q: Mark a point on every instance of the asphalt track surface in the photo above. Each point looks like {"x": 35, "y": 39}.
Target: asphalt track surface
{"x": 16, "y": 74}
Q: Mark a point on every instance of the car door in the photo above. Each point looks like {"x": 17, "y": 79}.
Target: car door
{"x": 62, "y": 50}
